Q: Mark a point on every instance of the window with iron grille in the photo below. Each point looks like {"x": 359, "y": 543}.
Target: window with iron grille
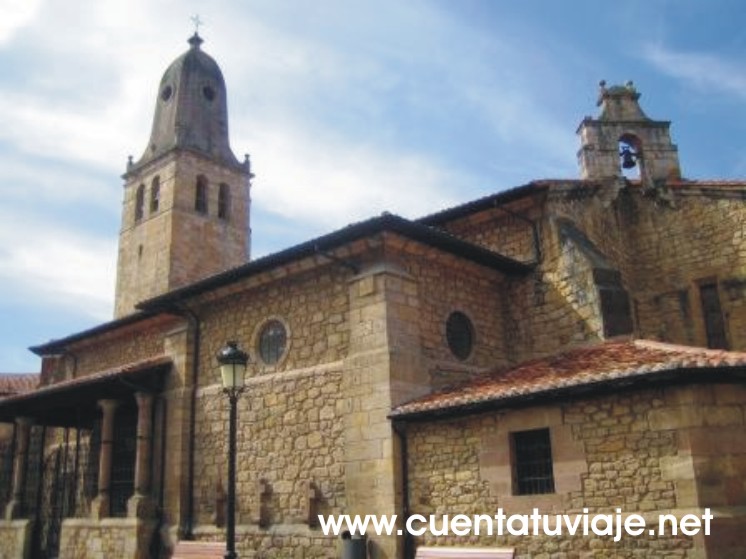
{"x": 533, "y": 473}
{"x": 272, "y": 342}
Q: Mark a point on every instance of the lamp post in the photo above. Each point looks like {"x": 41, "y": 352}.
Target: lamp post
{"x": 233, "y": 363}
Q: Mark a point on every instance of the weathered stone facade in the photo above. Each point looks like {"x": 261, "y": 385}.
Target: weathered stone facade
{"x": 645, "y": 452}
{"x": 364, "y": 314}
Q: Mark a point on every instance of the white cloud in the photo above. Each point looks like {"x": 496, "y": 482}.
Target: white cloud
{"x": 324, "y": 182}
{"x": 703, "y": 71}
{"x": 15, "y": 15}
{"x": 325, "y": 96}
{"x": 56, "y": 267}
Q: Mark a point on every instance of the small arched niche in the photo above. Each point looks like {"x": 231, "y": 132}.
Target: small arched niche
{"x": 630, "y": 157}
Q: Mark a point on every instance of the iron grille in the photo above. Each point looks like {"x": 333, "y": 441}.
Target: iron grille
{"x": 34, "y": 472}
{"x": 7, "y": 454}
{"x": 533, "y": 472}
{"x": 123, "y": 460}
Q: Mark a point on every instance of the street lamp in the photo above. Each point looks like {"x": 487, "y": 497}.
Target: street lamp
{"x": 233, "y": 363}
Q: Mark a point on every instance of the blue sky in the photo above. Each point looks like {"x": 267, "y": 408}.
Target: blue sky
{"x": 347, "y": 108}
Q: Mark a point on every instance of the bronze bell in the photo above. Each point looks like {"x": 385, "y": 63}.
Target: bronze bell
{"x": 628, "y": 158}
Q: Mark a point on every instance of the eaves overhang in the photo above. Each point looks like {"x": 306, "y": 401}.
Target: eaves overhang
{"x": 73, "y": 402}
{"x": 55, "y": 347}
{"x": 488, "y": 202}
{"x": 672, "y": 377}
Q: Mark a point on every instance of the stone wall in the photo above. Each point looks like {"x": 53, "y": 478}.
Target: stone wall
{"x": 131, "y": 343}
{"x": 663, "y": 245}
{"x": 312, "y": 305}
{"x": 289, "y": 444}
{"x": 15, "y": 537}
{"x": 438, "y": 285}
{"x": 701, "y": 238}
{"x": 177, "y": 245}
{"x": 123, "y": 538}
{"x": 510, "y": 232}
{"x": 277, "y": 542}
{"x": 640, "y": 451}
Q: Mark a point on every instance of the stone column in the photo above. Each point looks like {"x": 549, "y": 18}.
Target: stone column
{"x": 383, "y": 369}
{"x": 20, "y": 465}
{"x": 101, "y": 506}
{"x": 140, "y": 504}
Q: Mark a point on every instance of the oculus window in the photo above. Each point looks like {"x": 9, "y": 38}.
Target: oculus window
{"x": 460, "y": 335}
{"x": 272, "y": 342}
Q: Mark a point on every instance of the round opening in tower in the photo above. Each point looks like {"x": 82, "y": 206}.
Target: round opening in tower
{"x": 166, "y": 93}
{"x": 208, "y": 92}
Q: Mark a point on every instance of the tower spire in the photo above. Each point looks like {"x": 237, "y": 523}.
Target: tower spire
{"x": 186, "y": 200}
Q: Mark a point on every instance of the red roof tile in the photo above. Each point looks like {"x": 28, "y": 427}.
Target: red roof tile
{"x": 585, "y": 366}
{"x": 73, "y": 402}
{"x": 15, "y": 383}
{"x": 123, "y": 371}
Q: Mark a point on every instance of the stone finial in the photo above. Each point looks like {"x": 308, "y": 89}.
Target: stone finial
{"x": 601, "y": 92}
{"x": 195, "y": 41}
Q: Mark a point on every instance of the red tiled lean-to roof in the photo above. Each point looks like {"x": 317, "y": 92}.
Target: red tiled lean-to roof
{"x": 16, "y": 383}
{"x": 63, "y": 403}
{"x": 608, "y": 363}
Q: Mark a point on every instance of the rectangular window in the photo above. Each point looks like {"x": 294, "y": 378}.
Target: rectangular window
{"x": 200, "y": 195}
{"x": 713, "y": 316}
{"x": 224, "y": 199}
{"x": 615, "y": 307}
{"x": 533, "y": 473}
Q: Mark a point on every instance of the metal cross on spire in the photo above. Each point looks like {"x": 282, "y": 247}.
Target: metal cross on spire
{"x": 197, "y": 22}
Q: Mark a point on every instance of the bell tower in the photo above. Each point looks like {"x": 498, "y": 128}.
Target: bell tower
{"x": 186, "y": 205}
{"x": 624, "y": 138}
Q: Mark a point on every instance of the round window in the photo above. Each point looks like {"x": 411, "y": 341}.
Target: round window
{"x": 166, "y": 93}
{"x": 272, "y": 342}
{"x": 208, "y": 92}
{"x": 460, "y": 334}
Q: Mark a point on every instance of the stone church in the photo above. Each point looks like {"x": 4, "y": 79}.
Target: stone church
{"x": 563, "y": 345}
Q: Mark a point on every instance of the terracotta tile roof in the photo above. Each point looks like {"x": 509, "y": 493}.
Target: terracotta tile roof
{"x": 608, "y": 362}
{"x": 61, "y": 403}
{"x": 15, "y": 383}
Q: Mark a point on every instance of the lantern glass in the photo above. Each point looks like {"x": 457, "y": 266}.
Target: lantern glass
{"x": 233, "y": 363}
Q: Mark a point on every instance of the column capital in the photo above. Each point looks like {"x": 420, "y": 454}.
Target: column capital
{"x": 144, "y": 399}
{"x": 25, "y": 421}
{"x": 108, "y": 405}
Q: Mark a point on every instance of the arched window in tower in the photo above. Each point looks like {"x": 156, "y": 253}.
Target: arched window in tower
{"x": 224, "y": 201}
{"x": 139, "y": 202}
{"x": 200, "y": 195}
{"x": 155, "y": 194}
{"x": 630, "y": 156}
